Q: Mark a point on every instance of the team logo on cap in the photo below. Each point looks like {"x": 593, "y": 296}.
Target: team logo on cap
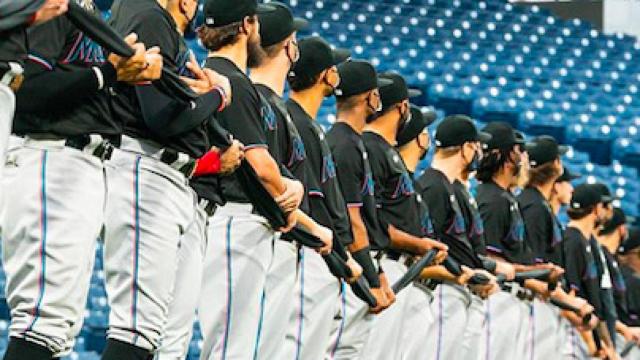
{"x": 209, "y": 21}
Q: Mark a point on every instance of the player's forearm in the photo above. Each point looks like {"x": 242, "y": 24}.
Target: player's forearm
{"x": 437, "y": 272}
{"x": 538, "y": 286}
{"x": 267, "y": 170}
{"x": 359, "y": 231}
{"x": 404, "y": 241}
{"x": 306, "y": 221}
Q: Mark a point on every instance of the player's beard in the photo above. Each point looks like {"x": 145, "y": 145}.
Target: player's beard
{"x": 255, "y": 52}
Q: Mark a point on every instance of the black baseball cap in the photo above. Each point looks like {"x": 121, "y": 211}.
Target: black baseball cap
{"x": 567, "y": 175}
{"x": 415, "y": 125}
{"x": 316, "y": 56}
{"x": 502, "y": 136}
{"x": 456, "y": 130}
{"x": 397, "y": 91}
{"x": 618, "y": 218}
{"x": 585, "y": 196}
{"x": 544, "y": 149}
{"x": 278, "y": 24}
{"x": 219, "y": 13}
{"x": 357, "y": 77}
{"x": 632, "y": 243}
{"x": 607, "y": 197}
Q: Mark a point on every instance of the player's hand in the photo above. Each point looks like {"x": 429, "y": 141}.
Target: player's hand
{"x": 144, "y": 65}
{"x": 427, "y": 244}
{"x": 220, "y": 81}
{"x": 556, "y": 273}
{"x": 326, "y": 236}
{"x": 291, "y": 198}
{"x": 506, "y": 269}
{"x": 292, "y": 220}
{"x": 388, "y": 291}
{"x": 355, "y": 268}
{"x": 49, "y": 10}
{"x": 200, "y": 83}
{"x": 382, "y": 301}
{"x": 231, "y": 158}
{"x": 635, "y": 334}
{"x": 486, "y": 290}
{"x": 467, "y": 273}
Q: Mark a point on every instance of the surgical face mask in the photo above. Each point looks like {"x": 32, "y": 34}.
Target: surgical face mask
{"x": 405, "y": 118}
{"x": 475, "y": 162}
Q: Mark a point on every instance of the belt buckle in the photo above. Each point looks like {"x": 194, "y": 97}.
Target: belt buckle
{"x": 104, "y": 150}
{"x": 13, "y": 76}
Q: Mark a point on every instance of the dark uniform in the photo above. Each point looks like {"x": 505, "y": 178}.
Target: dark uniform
{"x": 472, "y": 218}
{"x": 325, "y": 197}
{"x": 581, "y": 271}
{"x": 544, "y": 232}
{"x": 503, "y": 224}
{"x": 628, "y": 303}
{"x": 447, "y": 216}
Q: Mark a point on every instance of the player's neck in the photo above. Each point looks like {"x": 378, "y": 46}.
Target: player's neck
{"x": 503, "y": 180}
{"x": 611, "y": 241}
{"x": 584, "y": 225}
{"x": 546, "y": 190}
{"x": 385, "y": 126}
{"x": 309, "y": 100}
{"x": 555, "y": 206}
{"x": 451, "y": 169}
{"x": 354, "y": 118}
{"x": 236, "y": 53}
{"x": 411, "y": 157}
{"x": 271, "y": 74}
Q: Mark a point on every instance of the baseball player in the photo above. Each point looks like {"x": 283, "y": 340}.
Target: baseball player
{"x": 313, "y": 78}
{"x": 224, "y": 159}
{"x": 234, "y": 326}
{"x": 543, "y": 233}
{"x": 610, "y": 237}
{"x": 585, "y": 212}
{"x": 163, "y": 137}
{"x": 505, "y": 238}
{"x": 16, "y": 17}
{"x": 458, "y": 147}
{"x": 413, "y": 143}
{"x": 395, "y": 197}
{"x": 561, "y": 191}
{"x": 278, "y": 34}
{"x": 55, "y": 183}
{"x": 627, "y": 306}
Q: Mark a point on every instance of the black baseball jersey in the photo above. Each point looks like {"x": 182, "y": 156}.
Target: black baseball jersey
{"x": 287, "y": 147}
{"x": 394, "y": 191}
{"x": 472, "y": 218}
{"x": 62, "y": 57}
{"x": 426, "y": 224}
{"x": 581, "y": 272}
{"x": 503, "y": 225}
{"x": 628, "y": 306}
{"x": 325, "y": 197}
{"x": 544, "y": 232}
{"x": 617, "y": 279}
{"x": 140, "y": 107}
{"x": 447, "y": 216}
{"x": 13, "y": 45}
{"x": 356, "y": 179}
{"x": 249, "y": 118}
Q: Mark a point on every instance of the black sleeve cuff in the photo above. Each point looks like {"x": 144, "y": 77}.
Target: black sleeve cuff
{"x": 109, "y": 73}
{"x": 363, "y": 257}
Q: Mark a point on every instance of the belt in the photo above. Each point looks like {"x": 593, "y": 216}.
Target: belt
{"x": 92, "y": 144}
{"x": 208, "y": 206}
{"x": 519, "y": 292}
{"x": 179, "y": 161}
{"x": 12, "y": 75}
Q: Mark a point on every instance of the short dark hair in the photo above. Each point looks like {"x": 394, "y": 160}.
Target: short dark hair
{"x": 345, "y": 103}
{"x": 543, "y": 174}
{"x": 214, "y": 39}
{"x": 491, "y": 163}
{"x": 577, "y": 214}
{"x": 302, "y": 82}
{"x": 273, "y": 50}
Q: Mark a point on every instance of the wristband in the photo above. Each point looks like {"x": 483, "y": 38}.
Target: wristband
{"x": 363, "y": 257}
{"x": 223, "y": 98}
{"x": 208, "y": 164}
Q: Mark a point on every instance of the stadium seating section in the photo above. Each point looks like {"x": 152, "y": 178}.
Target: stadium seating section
{"x": 489, "y": 59}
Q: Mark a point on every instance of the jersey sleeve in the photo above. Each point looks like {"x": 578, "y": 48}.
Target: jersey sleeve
{"x": 152, "y": 29}
{"x": 243, "y": 118}
{"x": 575, "y": 264}
{"x": 349, "y": 165}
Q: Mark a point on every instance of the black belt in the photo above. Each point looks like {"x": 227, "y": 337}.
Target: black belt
{"x": 171, "y": 158}
{"x": 104, "y": 150}
{"x": 521, "y": 294}
{"x": 208, "y": 206}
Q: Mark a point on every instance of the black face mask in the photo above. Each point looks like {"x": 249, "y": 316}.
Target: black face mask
{"x": 475, "y": 163}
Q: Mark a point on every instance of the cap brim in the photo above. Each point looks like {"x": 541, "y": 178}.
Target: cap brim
{"x": 607, "y": 198}
{"x": 429, "y": 116}
{"x": 562, "y": 149}
{"x": 300, "y": 23}
{"x": 340, "y": 55}
{"x": 264, "y": 8}
{"x": 484, "y": 137}
{"x": 414, "y": 93}
{"x": 384, "y": 82}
